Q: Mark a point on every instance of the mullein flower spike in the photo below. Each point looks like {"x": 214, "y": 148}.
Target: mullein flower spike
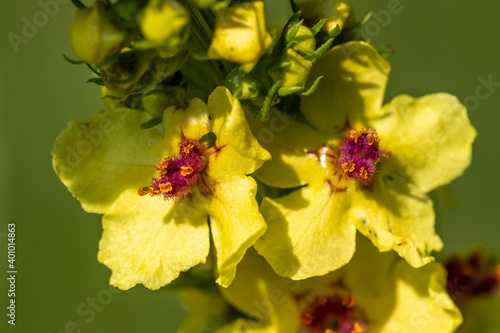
{"x": 151, "y": 240}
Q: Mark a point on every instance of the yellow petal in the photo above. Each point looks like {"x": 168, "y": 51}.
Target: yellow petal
{"x": 310, "y": 232}
{"x": 352, "y": 88}
{"x": 235, "y": 222}
{"x": 150, "y": 241}
{"x": 90, "y": 158}
{"x": 206, "y": 308}
{"x": 241, "y": 153}
{"x": 291, "y": 165}
{"x": 420, "y": 301}
{"x": 430, "y": 137}
{"x": 266, "y": 297}
{"x": 240, "y": 34}
{"x": 397, "y": 217}
{"x": 192, "y": 122}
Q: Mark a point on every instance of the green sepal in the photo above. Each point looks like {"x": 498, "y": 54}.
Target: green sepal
{"x": 270, "y": 99}
{"x": 317, "y": 27}
{"x": 334, "y": 32}
{"x": 289, "y": 90}
{"x": 322, "y": 49}
{"x": 313, "y": 87}
{"x": 72, "y": 61}
{"x": 96, "y": 80}
{"x": 280, "y": 46}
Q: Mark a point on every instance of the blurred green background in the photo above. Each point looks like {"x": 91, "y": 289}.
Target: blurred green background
{"x": 446, "y": 45}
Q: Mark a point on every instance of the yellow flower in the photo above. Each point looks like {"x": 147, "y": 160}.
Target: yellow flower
{"x": 151, "y": 240}
{"x": 337, "y": 12}
{"x": 94, "y": 38}
{"x": 353, "y": 183}
{"x": 376, "y": 293}
{"x": 240, "y": 34}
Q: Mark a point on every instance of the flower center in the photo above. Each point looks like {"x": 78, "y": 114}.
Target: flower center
{"x": 332, "y": 315}
{"x": 360, "y": 154}
{"x": 178, "y": 172}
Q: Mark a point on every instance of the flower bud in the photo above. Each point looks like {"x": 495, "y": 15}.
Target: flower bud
{"x": 156, "y": 102}
{"x": 243, "y": 85}
{"x": 240, "y": 34}
{"x": 94, "y": 38}
{"x": 160, "y": 23}
{"x": 295, "y": 74}
{"x": 306, "y": 43}
{"x": 337, "y": 12}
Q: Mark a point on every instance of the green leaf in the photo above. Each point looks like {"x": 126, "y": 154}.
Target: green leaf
{"x": 151, "y": 123}
{"x": 78, "y": 4}
{"x": 209, "y": 138}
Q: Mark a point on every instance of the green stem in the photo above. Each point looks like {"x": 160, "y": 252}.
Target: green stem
{"x": 204, "y": 35}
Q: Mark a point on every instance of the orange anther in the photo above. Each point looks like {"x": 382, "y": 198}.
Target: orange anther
{"x": 349, "y": 301}
{"x": 187, "y": 149}
{"x": 186, "y": 170}
{"x": 165, "y": 188}
{"x": 153, "y": 191}
{"x": 354, "y": 135}
{"x": 162, "y": 166}
{"x": 143, "y": 191}
{"x": 363, "y": 173}
{"x": 357, "y": 328}
{"x": 387, "y": 154}
{"x": 349, "y": 166}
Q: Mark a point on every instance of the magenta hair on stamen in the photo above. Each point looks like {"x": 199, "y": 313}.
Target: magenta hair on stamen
{"x": 179, "y": 172}
{"x": 360, "y": 154}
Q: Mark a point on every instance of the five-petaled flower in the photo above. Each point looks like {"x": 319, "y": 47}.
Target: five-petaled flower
{"x": 151, "y": 240}
{"x": 359, "y": 166}
{"x": 397, "y": 298}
